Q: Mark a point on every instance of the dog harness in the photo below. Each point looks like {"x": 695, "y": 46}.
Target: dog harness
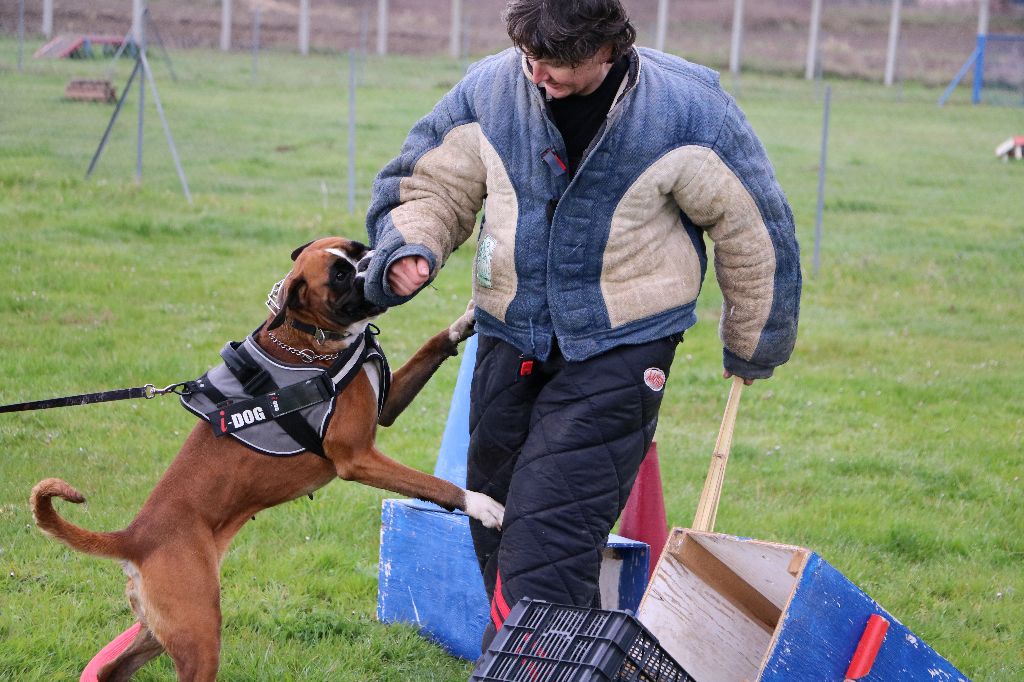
{"x": 281, "y": 409}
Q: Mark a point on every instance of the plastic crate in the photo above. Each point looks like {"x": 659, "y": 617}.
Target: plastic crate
{"x": 545, "y": 642}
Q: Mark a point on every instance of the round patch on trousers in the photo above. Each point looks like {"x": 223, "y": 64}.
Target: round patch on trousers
{"x": 654, "y": 378}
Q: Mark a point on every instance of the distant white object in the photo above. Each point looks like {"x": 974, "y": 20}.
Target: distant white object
{"x": 1013, "y": 148}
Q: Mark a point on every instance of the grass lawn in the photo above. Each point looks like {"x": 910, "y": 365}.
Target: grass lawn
{"x": 891, "y": 443}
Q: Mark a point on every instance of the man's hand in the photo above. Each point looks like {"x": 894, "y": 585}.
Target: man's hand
{"x": 407, "y": 275}
{"x": 746, "y": 382}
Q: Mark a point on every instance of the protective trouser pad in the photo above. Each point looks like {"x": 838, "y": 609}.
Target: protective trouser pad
{"x": 559, "y": 443}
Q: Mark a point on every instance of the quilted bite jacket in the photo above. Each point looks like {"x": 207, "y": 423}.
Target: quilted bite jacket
{"x": 615, "y": 254}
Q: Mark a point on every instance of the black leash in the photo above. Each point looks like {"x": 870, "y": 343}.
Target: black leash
{"x": 148, "y": 392}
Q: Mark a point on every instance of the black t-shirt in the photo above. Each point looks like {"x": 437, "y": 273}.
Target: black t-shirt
{"x": 579, "y": 117}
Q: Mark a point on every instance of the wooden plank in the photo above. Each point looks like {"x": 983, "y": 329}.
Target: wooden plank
{"x": 765, "y": 566}
{"x": 730, "y": 586}
{"x": 60, "y": 47}
{"x": 705, "y": 632}
{"x": 610, "y": 575}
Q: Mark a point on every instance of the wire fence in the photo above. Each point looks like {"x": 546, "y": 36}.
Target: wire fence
{"x": 934, "y": 39}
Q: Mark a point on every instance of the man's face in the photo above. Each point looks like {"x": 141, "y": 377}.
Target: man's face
{"x": 561, "y": 80}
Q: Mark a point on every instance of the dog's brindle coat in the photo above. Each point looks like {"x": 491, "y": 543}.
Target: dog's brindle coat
{"x": 173, "y": 548}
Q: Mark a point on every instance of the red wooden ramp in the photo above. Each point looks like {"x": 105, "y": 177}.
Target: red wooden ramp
{"x": 71, "y": 45}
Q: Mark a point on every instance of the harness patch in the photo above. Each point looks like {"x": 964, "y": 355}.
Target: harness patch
{"x": 484, "y": 255}
{"x": 237, "y": 417}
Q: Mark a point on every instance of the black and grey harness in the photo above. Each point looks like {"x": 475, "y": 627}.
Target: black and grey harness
{"x": 276, "y": 408}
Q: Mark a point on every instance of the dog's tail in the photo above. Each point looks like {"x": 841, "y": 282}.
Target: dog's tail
{"x": 50, "y": 522}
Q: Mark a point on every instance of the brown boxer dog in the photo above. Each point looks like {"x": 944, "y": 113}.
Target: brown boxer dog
{"x": 173, "y": 548}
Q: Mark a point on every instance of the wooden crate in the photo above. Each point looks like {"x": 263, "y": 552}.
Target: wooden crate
{"x": 730, "y": 609}
{"x": 86, "y": 90}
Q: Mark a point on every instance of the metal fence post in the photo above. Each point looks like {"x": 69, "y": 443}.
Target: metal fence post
{"x": 455, "y": 39}
{"x": 812, "y": 41}
{"x": 303, "y": 26}
{"x": 821, "y": 182}
{"x": 894, "y": 40}
{"x": 139, "y": 38}
{"x": 661, "y": 31}
{"x": 382, "y": 26}
{"x": 225, "y": 25}
{"x": 737, "y": 38}
{"x": 48, "y": 18}
{"x": 979, "y": 63}
{"x": 255, "y": 41}
{"x": 351, "y": 131}
{"x": 21, "y": 34}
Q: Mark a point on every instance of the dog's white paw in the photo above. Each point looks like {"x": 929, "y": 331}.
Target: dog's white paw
{"x": 484, "y": 509}
{"x": 462, "y": 328}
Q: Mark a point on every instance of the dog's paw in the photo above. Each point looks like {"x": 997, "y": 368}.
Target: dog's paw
{"x": 484, "y": 509}
{"x": 463, "y": 328}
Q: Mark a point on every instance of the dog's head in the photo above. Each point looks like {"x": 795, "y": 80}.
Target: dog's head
{"x": 325, "y": 287}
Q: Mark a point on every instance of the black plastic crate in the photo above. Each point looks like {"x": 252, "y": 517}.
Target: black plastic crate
{"x": 545, "y": 642}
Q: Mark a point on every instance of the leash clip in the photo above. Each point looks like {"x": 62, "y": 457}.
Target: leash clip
{"x": 149, "y": 391}
{"x": 307, "y": 355}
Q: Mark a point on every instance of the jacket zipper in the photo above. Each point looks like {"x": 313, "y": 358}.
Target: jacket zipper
{"x": 601, "y": 132}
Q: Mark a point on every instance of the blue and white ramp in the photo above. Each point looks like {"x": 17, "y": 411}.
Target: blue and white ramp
{"x": 732, "y": 609}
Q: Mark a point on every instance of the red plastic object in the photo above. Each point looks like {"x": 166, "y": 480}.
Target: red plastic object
{"x": 643, "y": 517}
{"x": 870, "y": 642}
{"x": 109, "y": 653}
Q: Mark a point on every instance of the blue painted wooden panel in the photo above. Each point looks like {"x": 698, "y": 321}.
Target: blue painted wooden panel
{"x": 428, "y": 575}
{"x": 636, "y": 565}
{"x": 451, "y": 459}
{"x": 821, "y": 628}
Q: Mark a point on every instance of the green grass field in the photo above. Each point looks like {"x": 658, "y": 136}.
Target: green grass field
{"x": 891, "y": 443}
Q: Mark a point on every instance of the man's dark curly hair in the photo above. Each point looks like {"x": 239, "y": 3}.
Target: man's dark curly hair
{"x": 568, "y": 31}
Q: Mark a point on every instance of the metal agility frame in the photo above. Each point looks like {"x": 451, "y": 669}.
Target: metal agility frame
{"x": 977, "y": 58}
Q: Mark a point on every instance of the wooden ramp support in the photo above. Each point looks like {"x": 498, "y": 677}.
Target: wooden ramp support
{"x": 1012, "y": 148}
{"x": 732, "y": 609}
{"x": 428, "y": 573}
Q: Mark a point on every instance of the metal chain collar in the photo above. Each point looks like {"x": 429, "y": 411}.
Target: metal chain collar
{"x": 307, "y": 355}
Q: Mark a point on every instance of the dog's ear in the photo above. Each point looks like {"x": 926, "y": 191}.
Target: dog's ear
{"x": 293, "y": 300}
{"x": 296, "y": 252}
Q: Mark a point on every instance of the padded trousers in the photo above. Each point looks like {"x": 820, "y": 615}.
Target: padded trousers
{"x": 559, "y": 443}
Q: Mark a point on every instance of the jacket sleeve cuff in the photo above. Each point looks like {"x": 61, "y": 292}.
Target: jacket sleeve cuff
{"x": 744, "y": 368}
{"x": 377, "y": 290}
